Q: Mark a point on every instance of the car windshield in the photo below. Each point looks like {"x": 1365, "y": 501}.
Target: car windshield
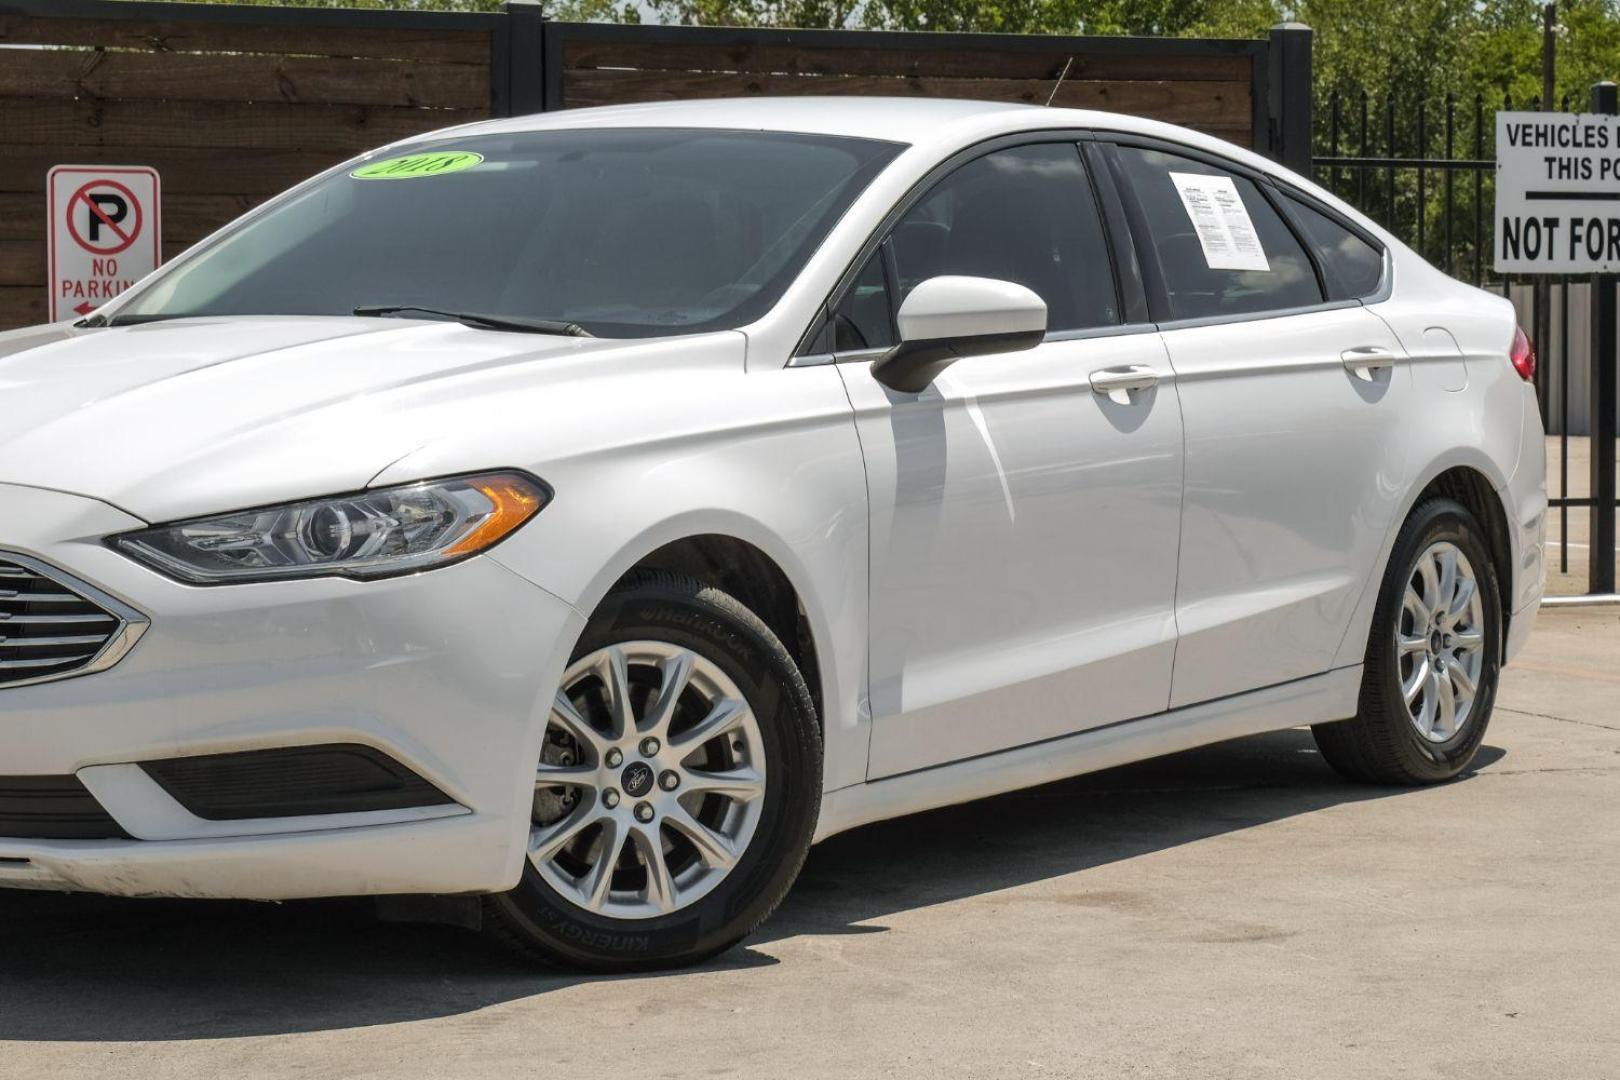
{"x": 626, "y": 233}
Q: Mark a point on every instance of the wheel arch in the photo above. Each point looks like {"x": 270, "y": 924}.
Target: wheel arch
{"x": 741, "y": 556}
{"x": 746, "y": 572}
{"x": 1471, "y": 479}
{"x": 1469, "y": 486}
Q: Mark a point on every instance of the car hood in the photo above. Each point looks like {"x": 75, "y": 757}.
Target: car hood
{"x": 174, "y": 419}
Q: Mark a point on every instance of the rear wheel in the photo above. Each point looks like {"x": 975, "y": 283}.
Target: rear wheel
{"x": 1432, "y": 660}
{"x": 677, "y": 789}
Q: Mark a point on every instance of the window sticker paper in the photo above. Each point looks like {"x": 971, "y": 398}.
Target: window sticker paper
{"x": 1225, "y": 230}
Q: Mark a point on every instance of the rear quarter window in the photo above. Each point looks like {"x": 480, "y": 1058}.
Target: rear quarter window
{"x": 1353, "y": 268}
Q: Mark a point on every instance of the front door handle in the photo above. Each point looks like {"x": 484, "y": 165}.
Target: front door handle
{"x": 1117, "y": 383}
{"x": 1363, "y": 360}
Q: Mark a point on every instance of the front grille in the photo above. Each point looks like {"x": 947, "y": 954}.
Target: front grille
{"x": 53, "y": 808}
{"x": 49, "y": 629}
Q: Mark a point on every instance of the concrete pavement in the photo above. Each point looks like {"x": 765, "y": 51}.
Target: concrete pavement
{"x": 1232, "y": 912}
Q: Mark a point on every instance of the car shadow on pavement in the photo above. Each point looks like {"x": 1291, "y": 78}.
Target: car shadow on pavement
{"x": 1065, "y": 828}
{"x": 93, "y": 969}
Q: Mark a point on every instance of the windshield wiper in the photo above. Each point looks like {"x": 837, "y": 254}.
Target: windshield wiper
{"x": 479, "y": 321}
{"x": 133, "y": 320}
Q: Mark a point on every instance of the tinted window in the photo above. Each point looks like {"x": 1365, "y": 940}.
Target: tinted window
{"x": 627, "y": 232}
{"x": 1353, "y": 267}
{"x": 1025, "y": 215}
{"x": 1197, "y": 266}
{"x": 862, "y": 320}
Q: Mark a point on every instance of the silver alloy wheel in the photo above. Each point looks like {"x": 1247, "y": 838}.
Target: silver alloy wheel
{"x": 1440, "y": 642}
{"x": 651, "y": 781}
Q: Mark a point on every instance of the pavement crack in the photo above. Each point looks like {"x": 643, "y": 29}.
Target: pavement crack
{"x": 1562, "y": 719}
{"x": 1550, "y": 769}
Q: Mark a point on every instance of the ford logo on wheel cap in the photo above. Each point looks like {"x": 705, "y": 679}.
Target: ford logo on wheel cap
{"x": 637, "y": 779}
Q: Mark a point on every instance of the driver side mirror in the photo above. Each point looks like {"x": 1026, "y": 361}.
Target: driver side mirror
{"x": 948, "y": 318}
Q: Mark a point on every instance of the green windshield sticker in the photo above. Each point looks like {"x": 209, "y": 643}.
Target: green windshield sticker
{"x": 416, "y": 166}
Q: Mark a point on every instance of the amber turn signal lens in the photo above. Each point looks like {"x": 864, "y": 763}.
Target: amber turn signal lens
{"x": 515, "y": 501}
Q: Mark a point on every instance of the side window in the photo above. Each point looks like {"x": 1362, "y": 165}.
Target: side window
{"x": 1353, "y": 267}
{"x": 863, "y": 319}
{"x": 1220, "y": 246}
{"x": 1025, "y": 214}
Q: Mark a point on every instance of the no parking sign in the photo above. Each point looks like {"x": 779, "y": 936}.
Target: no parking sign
{"x": 105, "y": 233}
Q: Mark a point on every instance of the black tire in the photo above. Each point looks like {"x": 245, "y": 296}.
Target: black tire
{"x": 1380, "y": 745}
{"x": 537, "y": 921}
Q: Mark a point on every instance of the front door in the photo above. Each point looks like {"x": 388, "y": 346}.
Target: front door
{"x": 1024, "y": 525}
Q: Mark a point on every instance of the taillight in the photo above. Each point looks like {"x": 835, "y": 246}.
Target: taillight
{"x": 1523, "y": 355}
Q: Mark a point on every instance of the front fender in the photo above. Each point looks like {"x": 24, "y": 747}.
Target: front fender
{"x": 768, "y": 457}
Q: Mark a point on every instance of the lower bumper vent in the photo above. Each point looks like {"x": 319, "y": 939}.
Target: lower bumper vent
{"x": 53, "y": 808}
{"x": 339, "y": 778}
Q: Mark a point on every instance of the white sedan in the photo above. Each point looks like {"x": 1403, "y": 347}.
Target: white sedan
{"x": 591, "y": 511}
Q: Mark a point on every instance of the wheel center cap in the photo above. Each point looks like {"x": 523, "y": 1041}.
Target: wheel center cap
{"x": 637, "y": 779}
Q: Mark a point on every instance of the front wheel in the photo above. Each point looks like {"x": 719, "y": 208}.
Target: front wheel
{"x": 1432, "y": 660}
{"x": 677, "y": 790}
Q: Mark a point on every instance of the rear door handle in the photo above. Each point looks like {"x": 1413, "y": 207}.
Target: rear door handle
{"x": 1363, "y": 360}
{"x": 1117, "y": 383}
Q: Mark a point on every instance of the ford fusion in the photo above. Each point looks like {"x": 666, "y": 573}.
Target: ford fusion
{"x": 587, "y": 513}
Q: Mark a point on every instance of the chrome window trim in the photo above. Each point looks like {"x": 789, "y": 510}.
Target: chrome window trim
{"x": 131, "y": 623}
{"x": 1257, "y": 316}
{"x": 855, "y": 356}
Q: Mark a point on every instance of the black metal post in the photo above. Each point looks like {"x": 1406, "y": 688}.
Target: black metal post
{"x": 1562, "y": 500}
{"x": 1333, "y": 140}
{"x": 1366, "y": 151}
{"x": 1389, "y": 172}
{"x": 1479, "y": 188}
{"x": 1422, "y": 178}
{"x": 1549, "y": 54}
{"x": 525, "y": 65}
{"x": 1289, "y": 96}
{"x": 1542, "y": 320}
{"x": 1450, "y": 185}
{"x": 1605, "y": 368}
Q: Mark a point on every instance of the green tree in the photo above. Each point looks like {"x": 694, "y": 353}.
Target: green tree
{"x": 1172, "y": 18}
{"x": 1151, "y": 17}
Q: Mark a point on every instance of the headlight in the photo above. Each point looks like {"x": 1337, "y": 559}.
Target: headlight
{"x": 367, "y": 535}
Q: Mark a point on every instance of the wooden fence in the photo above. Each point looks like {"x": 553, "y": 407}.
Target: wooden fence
{"x": 1209, "y": 85}
{"x": 233, "y": 104}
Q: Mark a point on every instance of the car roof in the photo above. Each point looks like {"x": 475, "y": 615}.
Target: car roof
{"x": 897, "y": 119}
{"x": 910, "y": 120}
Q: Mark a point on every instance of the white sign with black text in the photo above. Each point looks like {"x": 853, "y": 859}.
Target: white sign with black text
{"x": 1225, "y": 230}
{"x": 1557, "y": 193}
{"x": 105, "y": 233}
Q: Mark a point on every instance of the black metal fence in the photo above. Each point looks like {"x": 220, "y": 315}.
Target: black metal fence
{"x": 1425, "y": 170}
{"x": 1406, "y": 177}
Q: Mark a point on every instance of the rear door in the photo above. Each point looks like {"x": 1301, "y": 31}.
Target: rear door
{"x": 1294, "y": 397}
{"x": 1023, "y": 524}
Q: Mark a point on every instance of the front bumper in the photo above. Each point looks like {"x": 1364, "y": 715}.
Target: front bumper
{"x": 449, "y": 672}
